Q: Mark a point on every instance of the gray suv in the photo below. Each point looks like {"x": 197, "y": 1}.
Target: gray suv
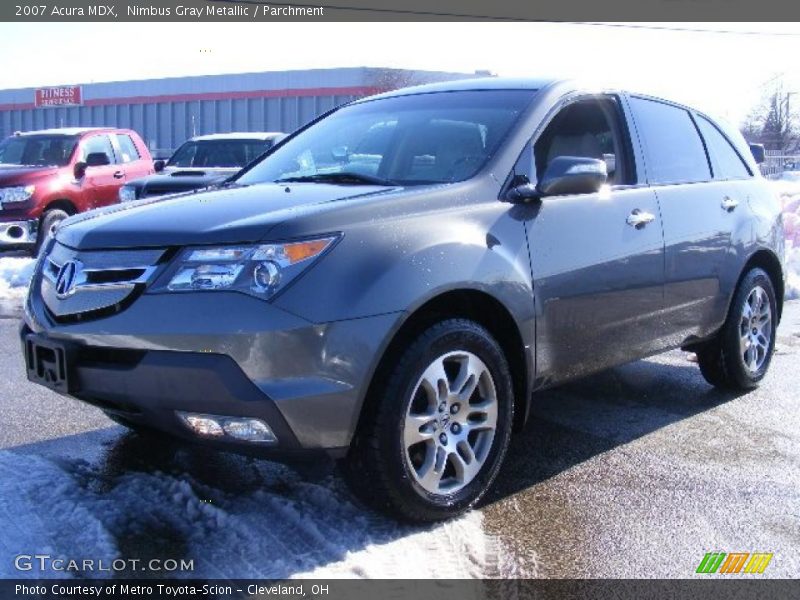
{"x": 392, "y": 283}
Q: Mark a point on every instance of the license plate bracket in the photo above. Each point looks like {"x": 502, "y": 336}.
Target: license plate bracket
{"x": 48, "y": 363}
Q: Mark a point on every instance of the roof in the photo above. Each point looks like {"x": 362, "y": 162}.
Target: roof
{"x": 482, "y": 83}
{"x": 239, "y": 135}
{"x": 66, "y": 131}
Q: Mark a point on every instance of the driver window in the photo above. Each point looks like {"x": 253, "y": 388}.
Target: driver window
{"x": 588, "y": 129}
{"x": 97, "y": 144}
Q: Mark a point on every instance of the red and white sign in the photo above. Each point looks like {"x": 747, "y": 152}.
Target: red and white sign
{"x": 58, "y": 96}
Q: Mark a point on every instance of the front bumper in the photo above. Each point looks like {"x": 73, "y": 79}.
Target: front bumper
{"x": 223, "y": 353}
{"x": 19, "y": 233}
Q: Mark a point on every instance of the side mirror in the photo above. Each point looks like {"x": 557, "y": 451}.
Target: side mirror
{"x": 758, "y": 153}
{"x": 573, "y": 175}
{"x": 97, "y": 159}
{"x": 523, "y": 193}
{"x": 159, "y": 165}
{"x": 79, "y": 170}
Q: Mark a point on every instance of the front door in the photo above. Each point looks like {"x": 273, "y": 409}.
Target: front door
{"x": 101, "y": 183}
{"x": 597, "y": 259}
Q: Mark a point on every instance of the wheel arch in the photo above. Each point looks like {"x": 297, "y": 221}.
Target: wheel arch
{"x": 771, "y": 264}
{"x": 475, "y": 305}
{"x": 61, "y": 204}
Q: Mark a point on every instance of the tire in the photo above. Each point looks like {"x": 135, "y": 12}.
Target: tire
{"x": 462, "y": 437}
{"x": 740, "y": 355}
{"x": 50, "y": 220}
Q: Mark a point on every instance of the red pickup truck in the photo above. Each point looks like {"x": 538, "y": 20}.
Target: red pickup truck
{"x": 46, "y": 176}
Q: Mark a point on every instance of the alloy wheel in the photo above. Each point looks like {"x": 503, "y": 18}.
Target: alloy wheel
{"x": 450, "y": 423}
{"x": 755, "y": 329}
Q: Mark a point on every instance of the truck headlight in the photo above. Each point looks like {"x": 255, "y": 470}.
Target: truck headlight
{"x": 260, "y": 270}
{"x": 127, "y": 193}
{"x": 10, "y": 195}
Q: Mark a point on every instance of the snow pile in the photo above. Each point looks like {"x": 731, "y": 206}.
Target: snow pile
{"x": 15, "y": 275}
{"x": 792, "y": 270}
{"x": 234, "y": 517}
{"x": 791, "y": 225}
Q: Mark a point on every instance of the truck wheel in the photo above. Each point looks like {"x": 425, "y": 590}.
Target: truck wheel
{"x": 440, "y": 427}
{"x": 49, "y": 222}
{"x": 738, "y": 358}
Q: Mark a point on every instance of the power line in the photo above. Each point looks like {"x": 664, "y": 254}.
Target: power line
{"x": 683, "y": 29}
{"x": 483, "y": 17}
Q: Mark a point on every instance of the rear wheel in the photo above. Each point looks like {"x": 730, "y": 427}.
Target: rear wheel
{"x": 739, "y": 357}
{"x": 49, "y": 223}
{"x": 440, "y": 428}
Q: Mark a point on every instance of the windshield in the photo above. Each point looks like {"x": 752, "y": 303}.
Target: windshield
{"x": 406, "y": 140}
{"x": 37, "y": 150}
{"x": 218, "y": 153}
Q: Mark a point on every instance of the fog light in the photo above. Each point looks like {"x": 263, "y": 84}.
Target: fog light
{"x": 249, "y": 430}
{"x": 206, "y": 425}
{"x": 245, "y": 429}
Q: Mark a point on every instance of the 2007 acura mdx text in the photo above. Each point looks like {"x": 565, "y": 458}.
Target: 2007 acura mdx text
{"x": 393, "y": 282}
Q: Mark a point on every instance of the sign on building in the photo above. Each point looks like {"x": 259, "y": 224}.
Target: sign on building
{"x": 58, "y": 96}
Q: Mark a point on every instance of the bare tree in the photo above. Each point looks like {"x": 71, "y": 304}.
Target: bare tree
{"x": 773, "y": 121}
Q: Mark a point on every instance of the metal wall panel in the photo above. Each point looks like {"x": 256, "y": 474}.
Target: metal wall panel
{"x": 165, "y": 112}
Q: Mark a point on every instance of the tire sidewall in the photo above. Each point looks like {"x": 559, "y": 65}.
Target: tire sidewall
{"x": 48, "y": 219}
{"x": 741, "y": 374}
{"x": 453, "y": 336}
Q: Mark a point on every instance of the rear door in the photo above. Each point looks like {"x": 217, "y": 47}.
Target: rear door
{"x": 697, "y": 224}
{"x": 101, "y": 183}
{"x": 597, "y": 259}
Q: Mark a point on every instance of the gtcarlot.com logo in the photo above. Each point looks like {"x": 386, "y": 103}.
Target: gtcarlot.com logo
{"x": 734, "y": 562}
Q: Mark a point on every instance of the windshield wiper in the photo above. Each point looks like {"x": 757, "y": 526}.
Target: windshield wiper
{"x": 352, "y": 178}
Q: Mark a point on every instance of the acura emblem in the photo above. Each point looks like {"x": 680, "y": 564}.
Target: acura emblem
{"x": 67, "y": 277}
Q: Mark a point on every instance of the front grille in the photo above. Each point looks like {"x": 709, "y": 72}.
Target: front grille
{"x": 81, "y": 284}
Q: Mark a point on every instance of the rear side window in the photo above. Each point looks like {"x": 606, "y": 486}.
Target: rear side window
{"x": 127, "y": 148}
{"x": 672, "y": 145}
{"x": 725, "y": 161}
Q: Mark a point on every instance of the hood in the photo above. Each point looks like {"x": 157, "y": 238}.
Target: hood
{"x": 11, "y": 174}
{"x": 224, "y": 216}
{"x": 180, "y": 179}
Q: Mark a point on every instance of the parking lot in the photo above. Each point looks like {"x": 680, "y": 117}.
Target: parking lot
{"x": 635, "y": 472}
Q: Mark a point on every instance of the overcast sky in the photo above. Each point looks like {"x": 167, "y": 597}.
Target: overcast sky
{"x": 722, "y": 73}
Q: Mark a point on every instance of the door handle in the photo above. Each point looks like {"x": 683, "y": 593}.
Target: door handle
{"x": 119, "y": 175}
{"x": 639, "y": 218}
{"x": 729, "y": 203}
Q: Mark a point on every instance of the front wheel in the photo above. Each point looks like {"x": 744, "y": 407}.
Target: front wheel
{"x": 435, "y": 437}
{"x": 738, "y": 358}
{"x": 50, "y": 222}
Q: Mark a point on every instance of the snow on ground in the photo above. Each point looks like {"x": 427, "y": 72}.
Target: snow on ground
{"x": 15, "y": 274}
{"x": 234, "y": 517}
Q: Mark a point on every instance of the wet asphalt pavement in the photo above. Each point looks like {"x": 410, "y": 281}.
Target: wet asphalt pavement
{"x": 634, "y": 472}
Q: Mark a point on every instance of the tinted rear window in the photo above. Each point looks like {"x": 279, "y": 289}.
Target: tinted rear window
{"x": 218, "y": 153}
{"x": 672, "y": 145}
{"x": 725, "y": 161}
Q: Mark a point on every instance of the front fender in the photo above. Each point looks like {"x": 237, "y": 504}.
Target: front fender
{"x": 399, "y": 264}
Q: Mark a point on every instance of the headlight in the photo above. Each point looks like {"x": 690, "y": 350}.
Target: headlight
{"x": 260, "y": 270}
{"x": 127, "y": 193}
{"x": 10, "y": 195}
